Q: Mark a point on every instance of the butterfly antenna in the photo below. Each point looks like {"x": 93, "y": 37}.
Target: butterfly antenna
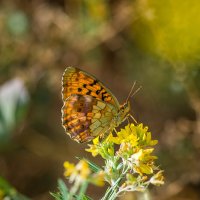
{"x": 136, "y": 91}
{"x": 129, "y": 95}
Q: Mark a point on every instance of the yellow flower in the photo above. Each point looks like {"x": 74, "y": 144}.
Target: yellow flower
{"x": 145, "y": 169}
{"x": 83, "y": 169}
{"x": 98, "y": 178}
{"x": 157, "y": 179}
{"x": 94, "y": 148}
{"x": 126, "y": 135}
{"x": 143, "y": 161}
{"x": 79, "y": 173}
{"x": 104, "y": 148}
{"x": 135, "y": 135}
{"x": 69, "y": 168}
{"x": 137, "y": 156}
{"x": 144, "y": 136}
{"x": 143, "y": 155}
{"x": 130, "y": 179}
{"x": 95, "y": 141}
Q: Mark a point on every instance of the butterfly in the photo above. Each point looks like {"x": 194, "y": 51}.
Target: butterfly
{"x": 89, "y": 108}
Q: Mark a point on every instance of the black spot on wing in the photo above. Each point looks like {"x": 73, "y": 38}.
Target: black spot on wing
{"x": 93, "y": 83}
{"x": 88, "y": 92}
{"x": 98, "y": 91}
{"x": 103, "y": 95}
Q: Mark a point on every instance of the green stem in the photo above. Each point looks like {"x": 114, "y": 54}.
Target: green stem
{"x": 73, "y": 190}
{"x": 82, "y": 190}
{"x": 112, "y": 191}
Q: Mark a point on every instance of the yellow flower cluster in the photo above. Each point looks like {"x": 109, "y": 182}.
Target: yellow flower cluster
{"x": 128, "y": 139}
{"x": 81, "y": 173}
{"x": 128, "y": 157}
{"x": 129, "y": 163}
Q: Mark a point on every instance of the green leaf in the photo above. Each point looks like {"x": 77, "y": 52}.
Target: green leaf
{"x": 94, "y": 167}
{"x": 84, "y": 197}
{"x": 63, "y": 193}
{"x": 82, "y": 190}
{"x": 63, "y": 189}
{"x": 57, "y": 196}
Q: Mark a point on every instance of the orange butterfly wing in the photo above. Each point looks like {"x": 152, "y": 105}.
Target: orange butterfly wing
{"x": 89, "y": 106}
{"x": 76, "y": 81}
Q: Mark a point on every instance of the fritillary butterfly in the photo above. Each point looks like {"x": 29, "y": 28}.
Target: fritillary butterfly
{"x": 90, "y": 109}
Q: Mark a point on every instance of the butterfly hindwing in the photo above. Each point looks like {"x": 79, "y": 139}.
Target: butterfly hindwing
{"x": 85, "y": 117}
{"x": 76, "y": 81}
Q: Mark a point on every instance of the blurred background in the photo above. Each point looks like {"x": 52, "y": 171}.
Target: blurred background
{"x": 153, "y": 42}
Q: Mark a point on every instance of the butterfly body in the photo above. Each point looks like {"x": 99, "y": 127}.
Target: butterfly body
{"x": 89, "y": 109}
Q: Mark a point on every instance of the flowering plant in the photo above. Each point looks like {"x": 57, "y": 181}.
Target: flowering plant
{"x": 129, "y": 165}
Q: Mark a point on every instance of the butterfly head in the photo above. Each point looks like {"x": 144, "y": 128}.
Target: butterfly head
{"x": 125, "y": 108}
{"x": 123, "y": 112}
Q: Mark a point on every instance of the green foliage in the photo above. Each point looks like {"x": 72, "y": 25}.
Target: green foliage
{"x": 7, "y": 192}
{"x": 94, "y": 167}
{"x": 64, "y": 193}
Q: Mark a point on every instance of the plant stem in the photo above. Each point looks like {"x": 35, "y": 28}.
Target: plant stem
{"x": 112, "y": 191}
{"x": 82, "y": 190}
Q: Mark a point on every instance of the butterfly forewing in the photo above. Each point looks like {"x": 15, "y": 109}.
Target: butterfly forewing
{"x": 75, "y": 81}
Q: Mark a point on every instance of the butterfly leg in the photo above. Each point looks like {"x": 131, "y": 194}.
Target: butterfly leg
{"x": 115, "y": 130}
{"x": 105, "y": 135}
{"x": 128, "y": 121}
{"x": 131, "y": 116}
